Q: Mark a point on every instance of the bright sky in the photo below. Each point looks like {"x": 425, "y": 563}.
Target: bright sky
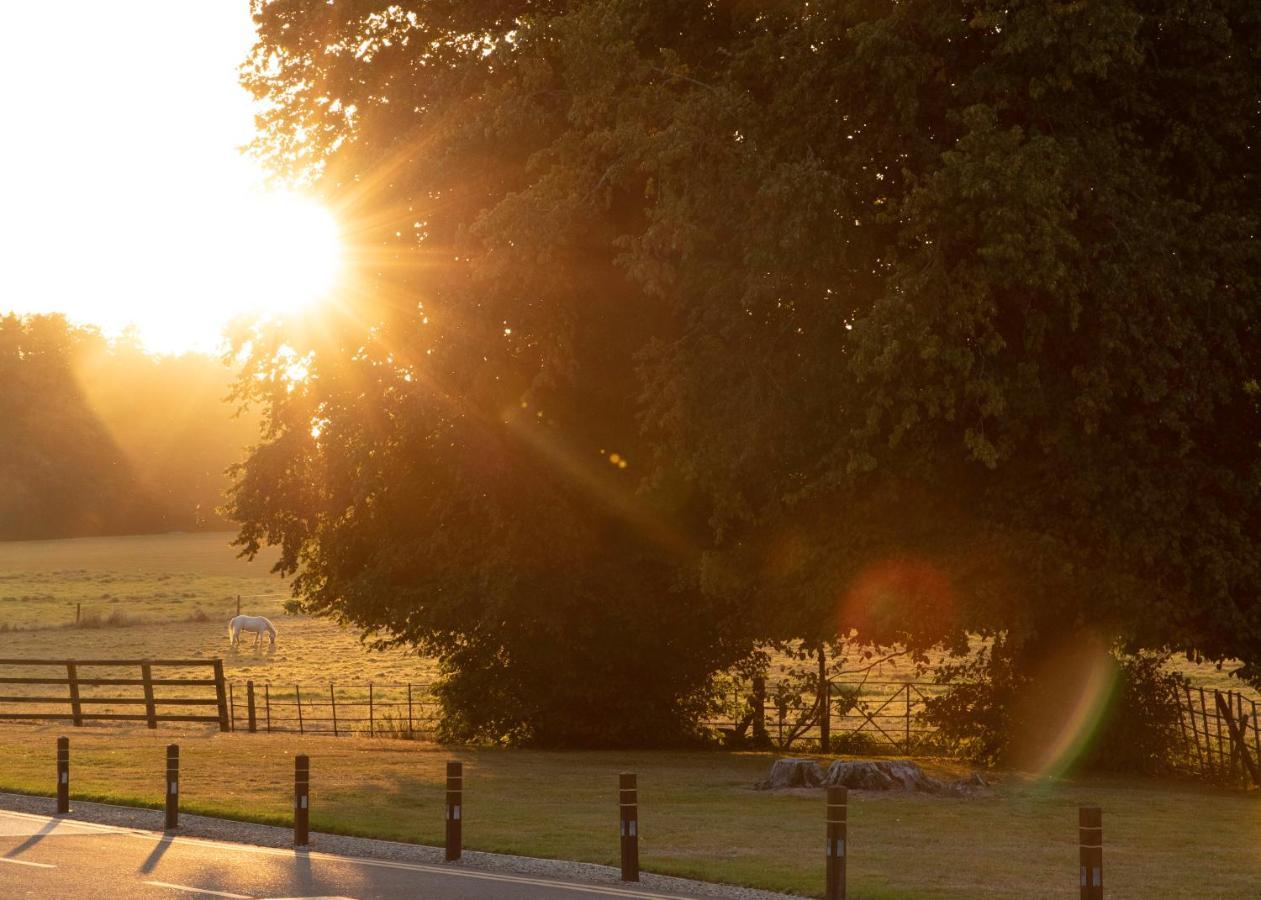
{"x": 123, "y": 196}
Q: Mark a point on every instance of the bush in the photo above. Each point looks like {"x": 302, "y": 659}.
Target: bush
{"x": 1006, "y": 706}
{"x": 1141, "y": 731}
{"x": 858, "y": 743}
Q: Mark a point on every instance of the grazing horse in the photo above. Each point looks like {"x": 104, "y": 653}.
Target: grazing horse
{"x": 255, "y": 624}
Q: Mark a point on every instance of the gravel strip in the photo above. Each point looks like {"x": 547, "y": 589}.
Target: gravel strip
{"x": 272, "y": 836}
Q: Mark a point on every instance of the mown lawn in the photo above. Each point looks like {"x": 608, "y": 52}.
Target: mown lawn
{"x": 699, "y": 815}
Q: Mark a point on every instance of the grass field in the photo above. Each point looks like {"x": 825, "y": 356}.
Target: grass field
{"x": 172, "y": 596}
{"x": 699, "y": 815}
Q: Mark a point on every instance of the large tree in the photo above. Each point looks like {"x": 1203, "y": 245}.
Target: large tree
{"x": 682, "y": 325}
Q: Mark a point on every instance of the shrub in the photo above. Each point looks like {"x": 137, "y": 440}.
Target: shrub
{"x": 995, "y": 697}
{"x": 857, "y": 743}
{"x": 1141, "y": 731}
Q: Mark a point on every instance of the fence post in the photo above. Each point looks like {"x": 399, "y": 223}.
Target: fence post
{"x": 1195, "y": 730}
{"x": 301, "y": 800}
{"x": 1090, "y": 839}
{"x": 249, "y": 707}
{"x": 297, "y": 688}
{"x": 759, "y": 710}
{"x": 267, "y": 704}
{"x": 173, "y": 786}
{"x": 1208, "y": 742}
{"x": 76, "y": 708}
{"x": 628, "y": 805}
{"x": 150, "y": 710}
{"x": 908, "y": 720}
{"x": 1182, "y": 725}
{"x": 825, "y": 704}
{"x": 78, "y": 611}
{"x": 63, "y": 775}
{"x": 837, "y": 816}
{"x": 455, "y": 804}
{"x": 231, "y": 706}
{"x": 238, "y": 604}
{"x": 410, "y": 731}
{"x": 1241, "y": 720}
{"x": 222, "y": 695}
{"x": 372, "y": 731}
{"x": 1256, "y": 732}
{"x": 1228, "y": 762}
{"x": 332, "y": 692}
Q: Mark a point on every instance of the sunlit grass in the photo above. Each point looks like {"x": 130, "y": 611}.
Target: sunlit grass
{"x": 171, "y": 596}
{"x": 700, "y": 816}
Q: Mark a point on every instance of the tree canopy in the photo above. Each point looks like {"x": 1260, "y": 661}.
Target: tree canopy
{"x": 681, "y": 326}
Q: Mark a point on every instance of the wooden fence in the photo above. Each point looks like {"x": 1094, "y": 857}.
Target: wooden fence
{"x": 78, "y": 700}
{"x": 1220, "y": 736}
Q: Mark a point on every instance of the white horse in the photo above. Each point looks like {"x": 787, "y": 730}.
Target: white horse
{"x": 256, "y": 625}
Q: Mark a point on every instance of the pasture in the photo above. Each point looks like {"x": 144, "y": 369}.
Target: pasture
{"x": 172, "y": 596}
{"x": 163, "y": 596}
{"x": 699, "y": 815}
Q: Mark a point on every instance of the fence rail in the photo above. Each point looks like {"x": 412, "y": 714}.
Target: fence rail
{"x": 79, "y": 704}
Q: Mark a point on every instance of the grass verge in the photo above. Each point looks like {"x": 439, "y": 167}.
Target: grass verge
{"x": 699, "y": 816}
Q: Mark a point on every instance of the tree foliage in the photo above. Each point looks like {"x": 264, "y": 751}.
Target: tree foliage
{"x": 678, "y": 326}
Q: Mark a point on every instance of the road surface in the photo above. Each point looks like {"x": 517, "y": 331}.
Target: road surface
{"x": 61, "y": 858}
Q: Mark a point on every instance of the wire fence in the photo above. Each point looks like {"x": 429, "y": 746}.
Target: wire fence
{"x": 402, "y": 710}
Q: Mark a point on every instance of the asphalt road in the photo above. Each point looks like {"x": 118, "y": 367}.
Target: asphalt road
{"x": 61, "y": 858}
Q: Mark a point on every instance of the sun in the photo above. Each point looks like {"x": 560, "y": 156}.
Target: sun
{"x": 246, "y": 252}
{"x": 289, "y": 255}
{"x": 173, "y": 232}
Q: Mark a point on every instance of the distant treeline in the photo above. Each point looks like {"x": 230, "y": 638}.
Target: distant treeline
{"x": 98, "y": 437}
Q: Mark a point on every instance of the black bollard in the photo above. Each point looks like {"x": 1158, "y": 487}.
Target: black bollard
{"x": 455, "y": 804}
{"x": 63, "y": 775}
{"x": 173, "y": 786}
{"x": 301, "y": 800}
{"x": 837, "y": 814}
{"x": 628, "y": 805}
{"x": 1090, "y": 839}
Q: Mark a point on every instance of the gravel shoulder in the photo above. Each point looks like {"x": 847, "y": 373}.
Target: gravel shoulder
{"x": 272, "y": 836}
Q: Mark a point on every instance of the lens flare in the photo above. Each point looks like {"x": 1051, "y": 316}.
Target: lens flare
{"x": 1059, "y": 717}
{"x": 897, "y": 596}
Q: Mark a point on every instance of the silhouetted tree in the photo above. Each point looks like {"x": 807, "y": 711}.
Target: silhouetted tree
{"x": 99, "y": 437}
{"x": 61, "y": 473}
{"x": 916, "y": 317}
